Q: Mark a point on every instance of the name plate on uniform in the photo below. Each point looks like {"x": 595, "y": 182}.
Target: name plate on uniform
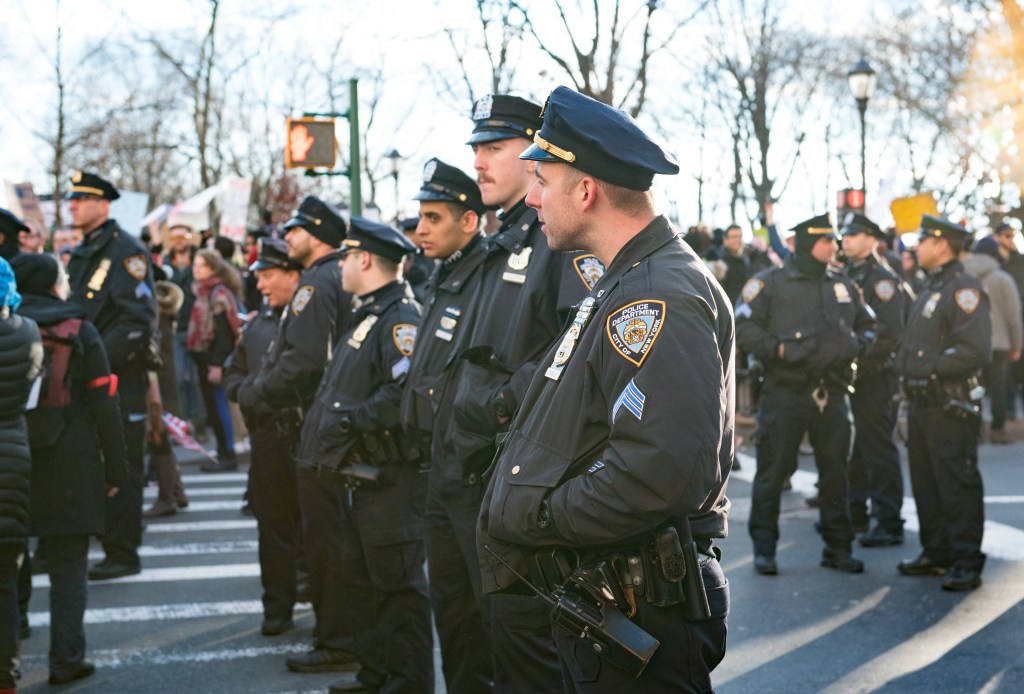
{"x": 449, "y": 321}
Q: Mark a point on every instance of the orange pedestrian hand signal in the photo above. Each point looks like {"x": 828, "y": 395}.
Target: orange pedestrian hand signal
{"x": 311, "y": 143}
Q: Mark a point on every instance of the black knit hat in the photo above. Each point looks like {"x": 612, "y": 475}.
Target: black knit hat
{"x": 36, "y": 273}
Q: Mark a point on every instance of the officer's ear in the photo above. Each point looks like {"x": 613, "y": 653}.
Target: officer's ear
{"x": 588, "y": 187}
{"x": 469, "y": 222}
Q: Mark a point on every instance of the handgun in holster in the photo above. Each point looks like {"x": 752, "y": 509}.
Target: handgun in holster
{"x": 672, "y": 570}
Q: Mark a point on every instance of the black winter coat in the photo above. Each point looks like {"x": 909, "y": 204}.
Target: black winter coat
{"x": 21, "y": 357}
{"x": 70, "y": 478}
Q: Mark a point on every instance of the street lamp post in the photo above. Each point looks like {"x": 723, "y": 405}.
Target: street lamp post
{"x": 396, "y": 164}
{"x": 862, "y": 83}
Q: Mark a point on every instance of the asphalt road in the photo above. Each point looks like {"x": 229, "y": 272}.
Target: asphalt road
{"x": 190, "y": 621}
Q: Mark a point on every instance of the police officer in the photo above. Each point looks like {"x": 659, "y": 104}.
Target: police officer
{"x": 874, "y": 468}
{"x": 363, "y": 488}
{"x": 272, "y": 486}
{"x": 112, "y": 279}
{"x": 449, "y": 231}
{"x": 947, "y": 342}
{"x": 524, "y": 298}
{"x": 806, "y": 322}
{"x": 604, "y": 459}
{"x": 313, "y": 321}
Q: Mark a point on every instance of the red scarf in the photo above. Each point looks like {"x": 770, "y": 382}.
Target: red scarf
{"x": 212, "y": 298}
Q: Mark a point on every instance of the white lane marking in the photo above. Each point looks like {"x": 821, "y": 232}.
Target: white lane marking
{"x": 751, "y": 654}
{"x": 190, "y": 549}
{"x": 146, "y": 613}
{"x": 1003, "y": 590}
{"x": 214, "y": 478}
{"x": 177, "y": 573}
{"x": 233, "y": 505}
{"x": 151, "y": 492}
{"x": 1001, "y": 541}
{"x": 124, "y": 657}
{"x": 199, "y": 526}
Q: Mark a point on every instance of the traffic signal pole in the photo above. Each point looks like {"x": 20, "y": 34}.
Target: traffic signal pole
{"x": 354, "y": 170}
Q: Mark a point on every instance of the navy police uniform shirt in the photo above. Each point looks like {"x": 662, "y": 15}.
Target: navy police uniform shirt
{"x": 112, "y": 279}
{"x": 526, "y": 292}
{"x": 628, "y": 422}
{"x": 819, "y": 317}
{"x": 449, "y": 293}
{"x": 245, "y": 361}
{"x": 949, "y": 330}
{"x": 318, "y": 314}
{"x": 364, "y": 380}
{"x": 889, "y": 297}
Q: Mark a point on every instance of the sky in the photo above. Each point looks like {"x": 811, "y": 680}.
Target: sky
{"x": 395, "y": 32}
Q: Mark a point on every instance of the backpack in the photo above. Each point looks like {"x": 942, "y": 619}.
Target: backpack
{"x": 46, "y": 421}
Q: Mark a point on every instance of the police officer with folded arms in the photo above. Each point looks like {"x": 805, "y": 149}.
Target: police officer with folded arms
{"x": 364, "y": 488}
{"x": 947, "y": 343}
{"x": 449, "y": 232}
{"x": 272, "y": 489}
{"x": 874, "y": 470}
{"x": 806, "y": 322}
{"x": 290, "y": 372}
{"x": 609, "y": 482}
{"x": 112, "y": 279}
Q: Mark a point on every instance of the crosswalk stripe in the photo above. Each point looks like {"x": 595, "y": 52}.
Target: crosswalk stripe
{"x": 190, "y": 549}
{"x": 125, "y": 657}
{"x": 198, "y": 526}
{"x": 146, "y": 613}
{"x": 1000, "y": 541}
{"x": 151, "y": 492}
{"x": 176, "y": 573}
{"x": 215, "y": 478}
{"x": 232, "y": 505}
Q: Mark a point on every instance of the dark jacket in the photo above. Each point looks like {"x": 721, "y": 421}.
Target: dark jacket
{"x": 320, "y": 312}
{"x": 816, "y": 312}
{"x": 70, "y": 478}
{"x": 21, "y": 357}
{"x": 525, "y": 294}
{"x": 889, "y": 297}
{"x": 245, "y": 361}
{"x": 111, "y": 278}
{"x": 362, "y": 386}
{"x": 169, "y": 299}
{"x": 451, "y": 289}
{"x": 949, "y": 330}
{"x": 628, "y": 423}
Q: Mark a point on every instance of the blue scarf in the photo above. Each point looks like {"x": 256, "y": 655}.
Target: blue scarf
{"x": 9, "y": 295}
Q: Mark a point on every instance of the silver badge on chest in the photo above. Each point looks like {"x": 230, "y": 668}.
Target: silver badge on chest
{"x": 933, "y": 302}
{"x": 361, "y": 331}
{"x": 568, "y": 344}
{"x": 518, "y": 264}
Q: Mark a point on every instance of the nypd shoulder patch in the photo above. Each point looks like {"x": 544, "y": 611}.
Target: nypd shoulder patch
{"x": 751, "y": 289}
{"x": 885, "y": 290}
{"x": 633, "y": 328}
{"x": 302, "y": 296}
{"x": 968, "y": 299}
{"x": 136, "y": 266}
{"x": 404, "y": 335}
{"x": 589, "y": 268}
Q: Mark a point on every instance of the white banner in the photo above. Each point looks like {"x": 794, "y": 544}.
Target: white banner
{"x": 234, "y": 206}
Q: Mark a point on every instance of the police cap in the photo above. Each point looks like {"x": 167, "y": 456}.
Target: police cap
{"x": 599, "y": 140}
{"x": 321, "y": 219}
{"x": 502, "y": 117}
{"x": 446, "y": 183}
{"x": 84, "y": 184}
{"x": 856, "y": 223}
{"x": 376, "y": 238}
{"x": 273, "y": 253}
{"x": 409, "y": 224}
{"x": 10, "y": 225}
{"x": 940, "y": 227}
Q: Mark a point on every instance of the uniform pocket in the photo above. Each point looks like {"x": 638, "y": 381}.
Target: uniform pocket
{"x": 535, "y": 470}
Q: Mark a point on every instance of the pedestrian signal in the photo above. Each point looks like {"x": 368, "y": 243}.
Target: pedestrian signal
{"x": 310, "y": 143}
{"x": 850, "y": 200}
